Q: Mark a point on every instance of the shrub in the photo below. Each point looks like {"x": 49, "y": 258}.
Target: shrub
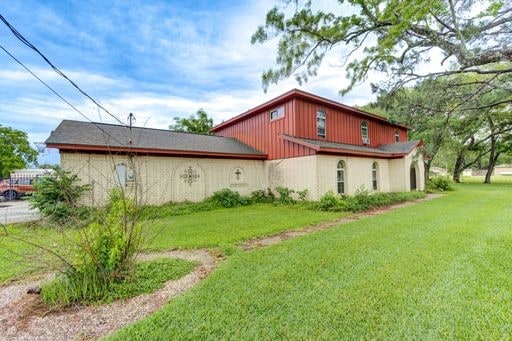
{"x": 228, "y": 198}
{"x": 104, "y": 252}
{"x": 302, "y": 194}
{"x": 56, "y": 197}
{"x": 261, "y": 196}
{"x": 285, "y": 196}
{"x": 439, "y": 183}
{"x": 362, "y": 200}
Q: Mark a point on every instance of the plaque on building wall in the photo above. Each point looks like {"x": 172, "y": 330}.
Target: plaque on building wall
{"x": 237, "y": 176}
{"x": 190, "y": 175}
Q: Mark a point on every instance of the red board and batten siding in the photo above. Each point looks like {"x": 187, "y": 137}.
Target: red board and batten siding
{"x": 259, "y": 132}
{"x": 255, "y": 128}
{"x": 342, "y": 127}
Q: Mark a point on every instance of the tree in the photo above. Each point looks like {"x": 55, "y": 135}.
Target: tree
{"x": 389, "y": 36}
{"x": 199, "y": 125}
{"x": 453, "y": 116}
{"x": 15, "y": 150}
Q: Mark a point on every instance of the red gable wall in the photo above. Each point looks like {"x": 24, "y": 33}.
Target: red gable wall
{"x": 343, "y": 125}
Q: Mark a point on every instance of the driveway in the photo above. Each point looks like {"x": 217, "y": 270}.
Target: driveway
{"x": 16, "y": 212}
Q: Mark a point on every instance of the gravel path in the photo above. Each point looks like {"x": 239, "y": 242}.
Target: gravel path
{"x": 20, "y": 318}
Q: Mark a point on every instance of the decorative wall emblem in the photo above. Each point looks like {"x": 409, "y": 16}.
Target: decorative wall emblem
{"x": 237, "y": 177}
{"x": 238, "y": 173}
{"x": 190, "y": 176}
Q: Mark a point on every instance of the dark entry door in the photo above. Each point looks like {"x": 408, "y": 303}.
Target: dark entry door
{"x": 413, "y": 177}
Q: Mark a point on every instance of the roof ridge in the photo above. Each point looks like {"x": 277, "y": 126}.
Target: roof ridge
{"x": 146, "y": 128}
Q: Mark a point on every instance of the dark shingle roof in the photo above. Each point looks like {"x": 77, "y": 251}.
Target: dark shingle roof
{"x": 384, "y": 149}
{"x": 78, "y": 133}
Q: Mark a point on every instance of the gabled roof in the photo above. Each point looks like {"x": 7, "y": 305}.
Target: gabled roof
{"x": 398, "y": 149}
{"x": 296, "y": 93}
{"x": 92, "y": 136}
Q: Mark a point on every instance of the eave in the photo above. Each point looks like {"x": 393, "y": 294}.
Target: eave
{"x": 343, "y": 151}
{"x": 156, "y": 152}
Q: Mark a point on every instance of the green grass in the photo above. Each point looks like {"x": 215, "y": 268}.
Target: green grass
{"x": 19, "y": 258}
{"x": 496, "y": 179}
{"x": 437, "y": 270}
{"x": 222, "y": 227}
{"x": 215, "y": 228}
{"x": 147, "y": 277}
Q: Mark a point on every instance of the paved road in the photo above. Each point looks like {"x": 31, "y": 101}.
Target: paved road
{"x": 16, "y": 212}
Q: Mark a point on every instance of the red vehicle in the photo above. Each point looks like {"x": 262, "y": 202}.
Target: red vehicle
{"x": 15, "y": 188}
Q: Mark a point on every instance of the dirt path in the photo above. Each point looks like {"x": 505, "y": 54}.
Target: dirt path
{"x": 271, "y": 240}
{"x": 19, "y": 321}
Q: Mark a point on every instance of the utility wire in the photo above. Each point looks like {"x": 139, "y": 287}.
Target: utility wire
{"x": 24, "y": 40}
{"x": 57, "y": 94}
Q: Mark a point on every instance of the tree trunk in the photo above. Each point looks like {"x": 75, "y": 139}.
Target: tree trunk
{"x": 426, "y": 170}
{"x": 492, "y": 152}
{"x": 492, "y": 163}
{"x": 458, "y": 168}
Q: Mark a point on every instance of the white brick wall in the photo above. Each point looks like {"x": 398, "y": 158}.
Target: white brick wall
{"x": 164, "y": 179}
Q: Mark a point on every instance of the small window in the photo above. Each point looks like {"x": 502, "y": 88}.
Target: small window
{"x": 320, "y": 123}
{"x": 375, "y": 176}
{"x": 120, "y": 175}
{"x": 340, "y": 180}
{"x": 277, "y": 113}
{"x": 397, "y": 136}
{"x": 364, "y": 130}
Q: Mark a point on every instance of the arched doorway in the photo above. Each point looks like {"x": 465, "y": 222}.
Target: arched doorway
{"x": 414, "y": 185}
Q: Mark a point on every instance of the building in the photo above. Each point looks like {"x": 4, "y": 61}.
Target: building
{"x": 297, "y": 140}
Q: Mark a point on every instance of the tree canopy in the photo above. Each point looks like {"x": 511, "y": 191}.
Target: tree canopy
{"x": 15, "y": 150}
{"x": 199, "y": 125}
{"x": 395, "y": 37}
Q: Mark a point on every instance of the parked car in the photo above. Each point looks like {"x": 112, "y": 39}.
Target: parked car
{"x": 21, "y": 182}
{"x": 12, "y": 189}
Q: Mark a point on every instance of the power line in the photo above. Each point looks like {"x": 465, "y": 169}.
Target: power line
{"x": 56, "y": 93}
{"x": 24, "y": 40}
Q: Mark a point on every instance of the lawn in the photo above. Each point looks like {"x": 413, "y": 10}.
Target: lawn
{"x": 495, "y": 179}
{"x": 230, "y": 225}
{"x": 436, "y": 270}
{"x": 216, "y": 228}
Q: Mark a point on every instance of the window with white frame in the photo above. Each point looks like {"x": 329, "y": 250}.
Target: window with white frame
{"x": 340, "y": 177}
{"x": 277, "y": 113}
{"x": 397, "y": 136}
{"x": 320, "y": 123}
{"x": 375, "y": 176}
{"x": 364, "y": 130}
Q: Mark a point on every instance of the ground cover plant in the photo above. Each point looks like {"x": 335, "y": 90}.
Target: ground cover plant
{"x": 146, "y": 277}
{"x": 440, "y": 269}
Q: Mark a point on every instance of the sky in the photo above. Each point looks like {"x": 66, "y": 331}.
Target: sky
{"x": 155, "y": 59}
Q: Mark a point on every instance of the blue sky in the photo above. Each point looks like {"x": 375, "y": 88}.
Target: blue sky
{"x": 157, "y": 59}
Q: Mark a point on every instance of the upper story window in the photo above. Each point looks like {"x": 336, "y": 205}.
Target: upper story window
{"x": 364, "y": 130}
{"x": 397, "y": 136}
{"x": 277, "y": 113}
{"x": 320, "y": 123}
